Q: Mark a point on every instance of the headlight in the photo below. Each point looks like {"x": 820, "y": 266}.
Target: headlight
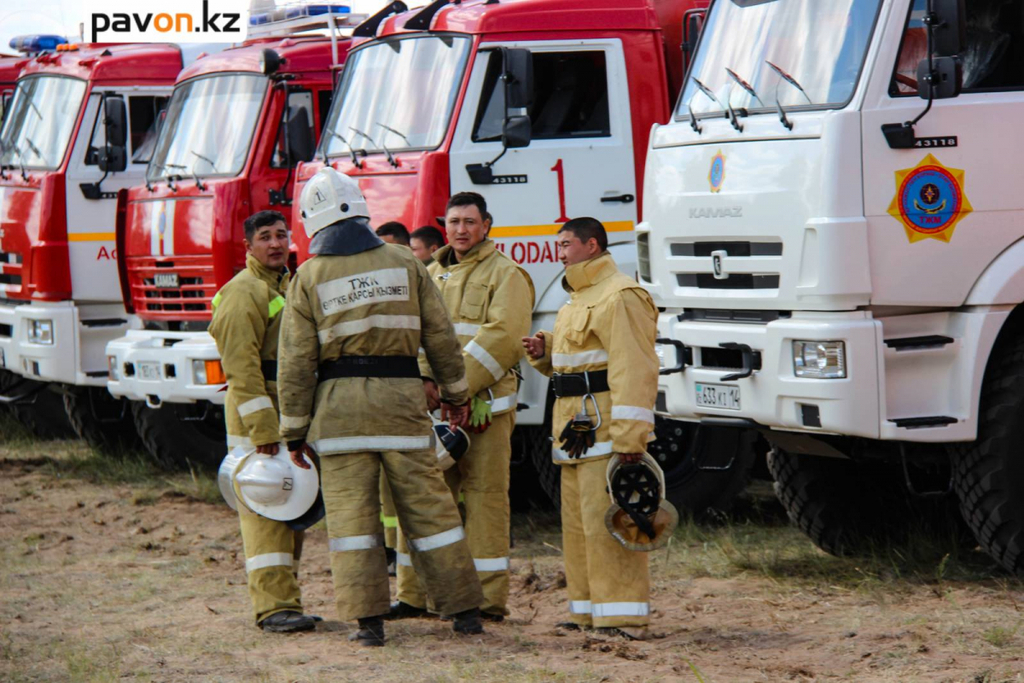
{"x": 40, "y": 331}
{"x": 208, "y": 372}
{"x": 819, "y": 359}
{"x": 112, "y": 372}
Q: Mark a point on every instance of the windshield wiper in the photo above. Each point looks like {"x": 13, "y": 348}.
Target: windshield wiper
{"x": 743, "y": 84}
{"x": 728, "y": 110}
{"x": 396, "y": 132}
{"x": 21, "y": 162}
{"x": 352, "y": 153}
{"x": 391, "y": 159}
{"x": 206, "y": 159}
{"x": 35, "y": 150}
{"x": 778, "y": 105}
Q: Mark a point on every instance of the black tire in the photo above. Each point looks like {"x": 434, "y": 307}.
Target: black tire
{"x": 855, "y": 508}
{"x": 549, "y": 475}
{"x": 706, "y": 468}
{"x": 988, "y": 474}
{"x": 104, "y": 422}
{"x": 42, "y": 411}
{"x": 175, "y": 439}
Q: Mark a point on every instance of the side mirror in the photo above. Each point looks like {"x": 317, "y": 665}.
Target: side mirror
{"x": 942, "y": 81}
{"x": 692, "y": 24}
{"x": 516, "y": 132}
{"x": 301, "y": 145}
{"x": 517, "y": 68}
{"x": 115, "y": 122}
{"x": 949, "y": 33}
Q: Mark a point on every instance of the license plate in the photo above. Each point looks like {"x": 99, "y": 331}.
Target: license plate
{"x": 718, "y": 396}
{"x": 166, "y": 279}
{"x": 148, "y": 370}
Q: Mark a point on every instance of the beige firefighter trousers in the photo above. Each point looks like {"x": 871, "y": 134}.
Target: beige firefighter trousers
{"x": 607, "y": 584}
{"x": 480, "y": 482}
{"x": 351, "y": 489}
{"x": 387, "y": 514}
{"x": 272, "y": 553}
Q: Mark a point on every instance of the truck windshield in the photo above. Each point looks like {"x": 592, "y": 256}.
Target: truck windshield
{"x": 40, "y": 122}
{"x": 397, "y": 94}
{"x": 797, "y": 53}
{"x": 209, "y": 125}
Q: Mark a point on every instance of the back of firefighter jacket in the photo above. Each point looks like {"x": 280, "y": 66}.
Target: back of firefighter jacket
{"x": 378, "y": 302}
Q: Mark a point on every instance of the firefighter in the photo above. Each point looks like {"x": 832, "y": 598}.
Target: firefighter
{"x": 605, "y": 375}
{"x": 350, "y": 388}
{"x": 246, "y": 321}
{"x": 424, "y": 242}
{"x": 490, "y": 301}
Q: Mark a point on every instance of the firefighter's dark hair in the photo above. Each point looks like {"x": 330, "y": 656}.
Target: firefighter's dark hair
{"x": 429, "y": 235}
{"x": 262, "y": 219}
{"x": 396, "y": 230}
{"x": 586, "y": 227}
{"x": 469, "y": 199}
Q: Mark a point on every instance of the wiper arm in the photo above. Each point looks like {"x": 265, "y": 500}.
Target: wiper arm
{"x": 206, "y": 159}
{"x": 729, "y": 113}
{"x": 178, "y": 176}
{"x": 35, "y": 150}
{"x": 21, "y": 163}
{"x": 352, "y": 153}
{"x": 789, "y": 79}
{"x": 391, "y": 158}
{"x": 743, "y": 84}
{"x": 778, "y": 105}
{"x": 359, "y": 132}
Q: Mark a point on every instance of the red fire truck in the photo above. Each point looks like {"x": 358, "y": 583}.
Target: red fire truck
{"x": 236, "y": 126}
{"x": 443, "y": 100}
{"x": 79, "y": 127}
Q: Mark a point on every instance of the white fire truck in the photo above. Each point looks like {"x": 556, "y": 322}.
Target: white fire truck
{"x": 833, "y": 227}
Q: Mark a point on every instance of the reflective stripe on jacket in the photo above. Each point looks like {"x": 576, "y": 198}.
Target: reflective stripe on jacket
{"x": 490, "y": 301}
{"x": 609, "y": 323}
{"x": 246, "y": 323}
{"x": 378, "y": 302}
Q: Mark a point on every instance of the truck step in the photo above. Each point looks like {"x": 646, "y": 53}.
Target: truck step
{"x": 929, "y": 341}
{"x": 923, "y": 422}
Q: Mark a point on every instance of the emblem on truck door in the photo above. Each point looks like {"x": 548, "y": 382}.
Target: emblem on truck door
{"x": 716, "y": 174}
{"x": 930, "y": 200}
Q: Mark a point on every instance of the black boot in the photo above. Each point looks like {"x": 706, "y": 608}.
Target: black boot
{"x": 403, "y": 610}
{"x": 288, "y": 622}
{"x": 370, "y": 633}
{"x": 468, "y": 623}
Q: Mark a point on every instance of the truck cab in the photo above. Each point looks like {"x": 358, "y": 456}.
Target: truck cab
{"x": 78, "y": 128}
{"x": 833, "y": 233}
{"x": 237, "y": 124}
{"x": 424, "y": 110}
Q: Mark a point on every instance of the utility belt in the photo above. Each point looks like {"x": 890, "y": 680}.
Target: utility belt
{"x": 269, "y": 368}
{"x": 369, "y": 366}
{"x": 579, "y": 383}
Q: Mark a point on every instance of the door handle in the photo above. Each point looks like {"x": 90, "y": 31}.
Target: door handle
{"x": 624, "y": 198}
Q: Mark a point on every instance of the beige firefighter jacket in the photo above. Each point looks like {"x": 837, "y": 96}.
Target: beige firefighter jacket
{"x": 490, "y": 301}
{"x": 246, "y": 323}
{"x": 609, "y": 323}
{"x": 379, "y": 302}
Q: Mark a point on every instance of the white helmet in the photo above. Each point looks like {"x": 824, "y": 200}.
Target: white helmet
{"x": 329, "y": 197}
{"x": 272, "y": 486}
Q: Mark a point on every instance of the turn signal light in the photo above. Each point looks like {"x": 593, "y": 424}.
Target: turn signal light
{"x": 208, "y": 372}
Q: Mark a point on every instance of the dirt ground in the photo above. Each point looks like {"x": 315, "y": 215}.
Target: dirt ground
{"x": 114, "y": 576}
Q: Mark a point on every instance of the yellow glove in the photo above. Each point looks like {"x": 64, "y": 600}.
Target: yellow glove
{"x": 479, "y": 416}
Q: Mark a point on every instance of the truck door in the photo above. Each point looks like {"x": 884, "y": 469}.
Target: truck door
{"x": 92, "y": 195}
{"x": 580, "y": 158}
{"x": 940, "y": 212}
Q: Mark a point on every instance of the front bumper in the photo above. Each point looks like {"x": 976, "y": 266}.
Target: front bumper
{"x": 774, "y": 396}
{"x": 156, "y": 367}
{"x": 80, "y": 334}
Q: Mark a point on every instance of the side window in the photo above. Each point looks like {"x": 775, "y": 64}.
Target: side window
{"x": 991, "y": 56}
{"x": 145, "y": 113}
{"x": 570, "y": 97}
{"x": 99, "y": 135}
{"x": 297, "y": 129}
